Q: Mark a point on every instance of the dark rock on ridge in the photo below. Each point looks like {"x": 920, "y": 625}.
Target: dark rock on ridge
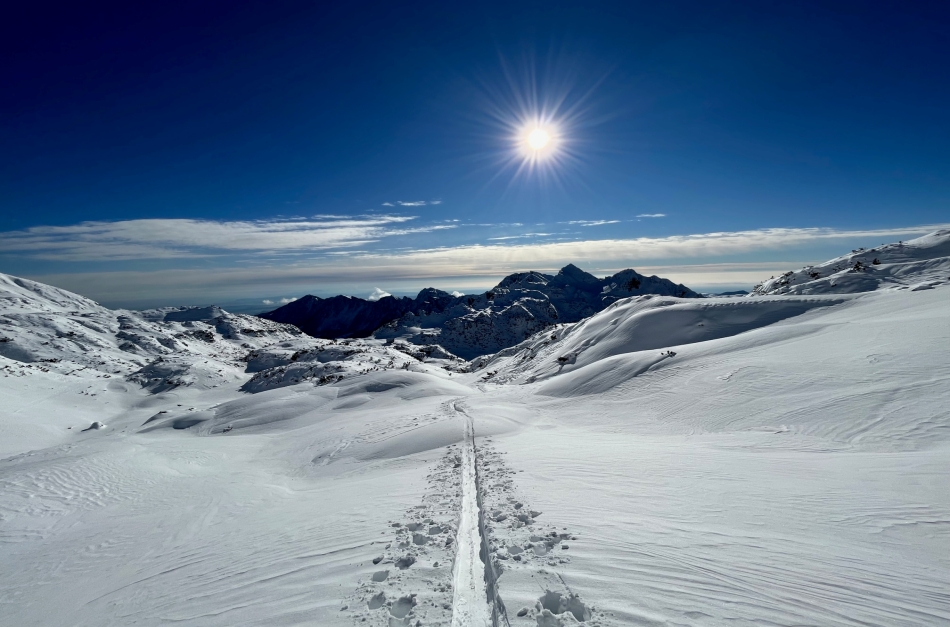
{"x": 346, "y": 316}
{"x": 471, "y": 325}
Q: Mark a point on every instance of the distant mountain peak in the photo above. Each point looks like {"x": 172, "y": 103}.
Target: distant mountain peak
{"x": 575, "y": 274}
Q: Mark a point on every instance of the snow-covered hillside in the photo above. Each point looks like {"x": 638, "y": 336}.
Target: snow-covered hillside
{"x": 47, "y": 330}
{"x": 779, "y": 459}
{"x": 918, "y": 264}
{"x": 623, "y": 338}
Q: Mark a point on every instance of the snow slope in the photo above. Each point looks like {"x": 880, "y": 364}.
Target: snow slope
{"x": 918, "y": 264}
{"x": 629, "y": 329}
{"x": 776, "y": 460}
{"x": 89, "y": 352}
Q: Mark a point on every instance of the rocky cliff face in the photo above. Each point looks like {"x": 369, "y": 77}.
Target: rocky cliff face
{"x": 349, "y": 317}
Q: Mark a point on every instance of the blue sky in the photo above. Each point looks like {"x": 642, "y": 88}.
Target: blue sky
{"x": 191, "y": 152}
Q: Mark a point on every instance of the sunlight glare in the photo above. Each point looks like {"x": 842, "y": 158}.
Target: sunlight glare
{"x": 538, "y": 139}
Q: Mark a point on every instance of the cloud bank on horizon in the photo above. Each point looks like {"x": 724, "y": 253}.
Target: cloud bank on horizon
{"x": 161, "y": 261}
{"x": 177, "y": 238}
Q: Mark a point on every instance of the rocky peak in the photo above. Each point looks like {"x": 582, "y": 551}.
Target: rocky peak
{"x": 572, "y": 274}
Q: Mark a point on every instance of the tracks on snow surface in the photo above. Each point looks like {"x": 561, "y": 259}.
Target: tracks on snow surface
{"x": 441, "y": 563}
{"x": 475, "y": 602}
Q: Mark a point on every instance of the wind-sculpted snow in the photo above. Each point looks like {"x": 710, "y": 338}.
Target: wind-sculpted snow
{"x": 775, "y": 460}
{"x": 641, "y": 326}
{"x": 24, "y": 296}
{"x": 922, "y": 263}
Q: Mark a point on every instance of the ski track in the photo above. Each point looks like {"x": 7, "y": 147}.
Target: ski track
{"x": 469, "y": 605}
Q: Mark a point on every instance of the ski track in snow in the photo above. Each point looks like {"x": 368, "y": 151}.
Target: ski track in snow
{"x": 469, "y": 606}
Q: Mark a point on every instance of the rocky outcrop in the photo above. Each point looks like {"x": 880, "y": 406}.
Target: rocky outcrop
{"x": 350, "y": 317}
{"x": 521, "y": 305}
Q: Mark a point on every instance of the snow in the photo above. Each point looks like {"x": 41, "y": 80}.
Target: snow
{"x": 469, "y": 604}
{"x": 918, "y": 264}
{"x": 376, "y": 294}
{"x": 773, "y": 459}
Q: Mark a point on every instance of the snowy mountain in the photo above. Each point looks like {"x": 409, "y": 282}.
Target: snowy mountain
{"x": 774, "y": 459}
{"x": 917, "y": 264}
{"x": 49, "y": 329}
{"x": 519, "y": 306}
{"x": 67, "y": 333}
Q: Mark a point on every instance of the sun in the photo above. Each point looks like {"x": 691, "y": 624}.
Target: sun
{"x": 539, "y": 114}
{"x": 538, "y": 141}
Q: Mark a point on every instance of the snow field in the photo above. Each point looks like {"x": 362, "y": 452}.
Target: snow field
{"x": 772, "y": 460}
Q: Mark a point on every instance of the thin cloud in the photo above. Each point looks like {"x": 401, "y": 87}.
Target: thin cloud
{"x": 282, "y": 301}
{"x": 591, "y": 222}
{"x": 526, "y": 235}
{"x": 652, "y": 215}
{"x": 177, "y": 239}
{"x": 411, "y": 203}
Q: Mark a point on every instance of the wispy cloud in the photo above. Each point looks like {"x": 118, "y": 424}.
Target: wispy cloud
{"x": 167, "y": 239}
{"x": 591, "y": 222}
{"x": 412, "y": 203}
{"x": 524, "y": 236}
{"x": 282, "y": 301}
{"x": 652, "y": 215}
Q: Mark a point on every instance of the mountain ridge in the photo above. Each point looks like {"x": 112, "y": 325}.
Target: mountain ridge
{"x": 521, "y": 304}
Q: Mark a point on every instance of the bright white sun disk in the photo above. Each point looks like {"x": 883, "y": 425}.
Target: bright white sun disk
{"x": 538, "y": 139}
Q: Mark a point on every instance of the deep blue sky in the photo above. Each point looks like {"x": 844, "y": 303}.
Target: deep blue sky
{"x": 721, "y": 116}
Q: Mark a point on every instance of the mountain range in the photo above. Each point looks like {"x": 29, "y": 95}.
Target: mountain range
{"x": 472, "y": 325}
